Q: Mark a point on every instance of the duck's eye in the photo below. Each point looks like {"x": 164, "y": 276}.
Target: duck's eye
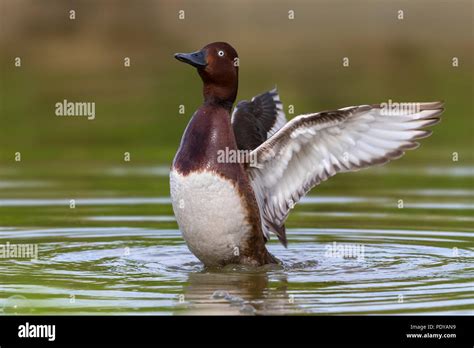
{"x": 221, "y": 53}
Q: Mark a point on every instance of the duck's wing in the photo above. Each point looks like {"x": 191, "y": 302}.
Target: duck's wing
{"x": 256, "y": 120}
{"x": 311, "y": 148}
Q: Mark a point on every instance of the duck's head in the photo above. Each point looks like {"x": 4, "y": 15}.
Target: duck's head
{"x": 218, "y": 66}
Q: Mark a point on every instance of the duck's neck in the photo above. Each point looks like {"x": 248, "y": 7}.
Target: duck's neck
{"x": 223, "y": 96}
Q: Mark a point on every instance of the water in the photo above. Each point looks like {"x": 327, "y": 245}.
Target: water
{"x": 407, "y": 233}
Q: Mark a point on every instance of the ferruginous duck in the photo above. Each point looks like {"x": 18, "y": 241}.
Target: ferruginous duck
{"x": 226, "y": 207}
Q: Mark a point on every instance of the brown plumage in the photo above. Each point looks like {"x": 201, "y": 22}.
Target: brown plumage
{"x": 291, "y": 157}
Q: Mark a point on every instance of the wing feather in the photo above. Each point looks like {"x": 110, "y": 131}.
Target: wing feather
{"x": 256, "y": 120}
{"x": 312, "y": 148}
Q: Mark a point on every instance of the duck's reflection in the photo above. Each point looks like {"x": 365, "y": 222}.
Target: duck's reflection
{"x": 231, "y": 291}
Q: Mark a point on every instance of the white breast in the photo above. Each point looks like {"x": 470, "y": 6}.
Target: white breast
{"x": 210, "y": 215}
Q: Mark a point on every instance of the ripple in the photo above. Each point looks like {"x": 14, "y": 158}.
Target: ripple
{"x": 32, "y": 202}
{"x": 451, "y": 171}
{"x": 140, "y": 270}
{"x": 122, "y": 218}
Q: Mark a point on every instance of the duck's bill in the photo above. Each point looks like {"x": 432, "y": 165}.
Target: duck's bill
{"x": 196, "y": 59}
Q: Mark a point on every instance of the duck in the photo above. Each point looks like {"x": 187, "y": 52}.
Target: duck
{"x": 227, "y": 209}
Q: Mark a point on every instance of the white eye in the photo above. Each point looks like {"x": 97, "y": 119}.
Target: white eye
{"x": 221, "y": 53}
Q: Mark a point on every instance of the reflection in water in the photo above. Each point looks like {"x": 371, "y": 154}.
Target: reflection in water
{"x": 236, "y": 290}
{"x": 150, "y": 271}
{"x": 122, "y": 254}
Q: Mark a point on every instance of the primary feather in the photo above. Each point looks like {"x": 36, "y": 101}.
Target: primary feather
{"x": 311, "y": 148}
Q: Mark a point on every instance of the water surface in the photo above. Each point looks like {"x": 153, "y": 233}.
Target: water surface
{"x": 118, "y": 250}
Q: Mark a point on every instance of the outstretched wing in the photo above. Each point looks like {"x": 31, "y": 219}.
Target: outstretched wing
{"x": 256, "y": 120}
{"x": 311, "y": 148}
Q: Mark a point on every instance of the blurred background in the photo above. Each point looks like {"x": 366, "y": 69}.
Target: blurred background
{"x": 423, "y": 252}
{"x": 137, "y": 107}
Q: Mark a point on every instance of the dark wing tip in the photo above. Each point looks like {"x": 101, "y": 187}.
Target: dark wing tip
{"x": 422, "y": 105}
{"x": 280, "y": 231}
{"x": 432, "y": 121}
{"x": 432, "y": 105}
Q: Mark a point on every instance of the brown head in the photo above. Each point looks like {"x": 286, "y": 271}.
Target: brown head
{"x": 217, "y": 64}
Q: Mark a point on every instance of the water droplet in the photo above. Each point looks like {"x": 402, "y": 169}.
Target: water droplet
{"x": 234, "y": 300}
{"x": 219, "y": 294}
{"x": 248, "y": 309}
{"x": 17, "y": 304}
